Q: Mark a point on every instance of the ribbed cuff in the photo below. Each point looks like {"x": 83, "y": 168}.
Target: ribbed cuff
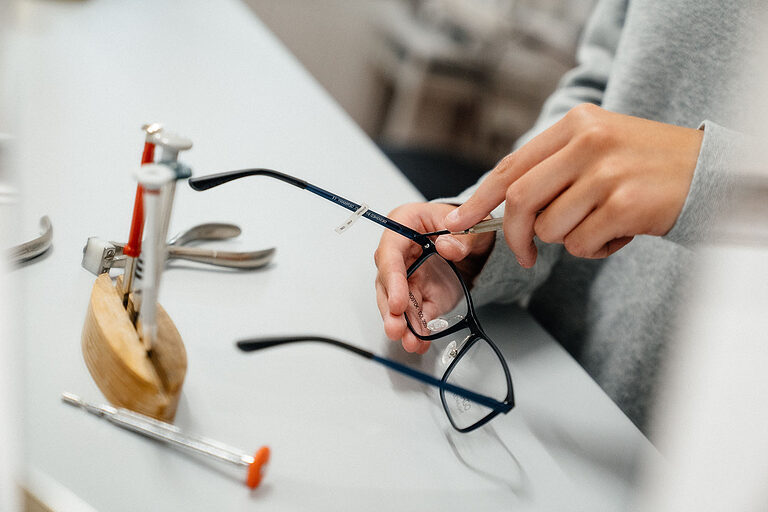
{"x": 721, "y": 151}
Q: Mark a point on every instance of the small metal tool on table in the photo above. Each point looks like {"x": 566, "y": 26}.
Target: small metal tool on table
{"x": 256, "y": 465}
{"x": 101, "y": 256}
{"x": 35, "y": 247}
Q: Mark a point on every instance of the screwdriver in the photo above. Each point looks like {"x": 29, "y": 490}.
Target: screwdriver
{"x": 481, "y": 227}
{"x": 152, "y": 178}
{"x": 133, "y": 247}
{"x": 167, "y": 433}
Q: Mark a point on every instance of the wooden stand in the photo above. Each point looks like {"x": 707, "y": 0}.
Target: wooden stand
{"x": 116, "y": 358}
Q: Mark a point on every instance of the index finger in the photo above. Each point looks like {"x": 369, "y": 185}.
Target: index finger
{"x": 492, "y": 190}
{"x": 390, "y": 260}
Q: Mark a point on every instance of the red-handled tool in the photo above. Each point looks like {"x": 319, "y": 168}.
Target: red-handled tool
{"x": 132, "y": 249}
{"x": 167, "y": 433}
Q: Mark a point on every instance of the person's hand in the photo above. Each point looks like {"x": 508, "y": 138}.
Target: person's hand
{"x": 592, "y": 182}
{"x": 396, "y": 253}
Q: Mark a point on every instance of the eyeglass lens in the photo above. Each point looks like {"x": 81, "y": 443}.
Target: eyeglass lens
{"x": 480, "y": 369}
{"x": 437, "y": 302}
{"x": 436, "y": 299}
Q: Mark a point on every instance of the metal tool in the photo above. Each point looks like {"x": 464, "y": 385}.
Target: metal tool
{"x": 133, "y": 247}
{"x": 153, "y": 178}
{"x": 481, "y": 227}
{"x": 167, "y": 433}
{"x": 35, "y": 247}
{"x": 171, "y": 145}
{"x": 100, "y": 256}
{"x": 207, "y": 231}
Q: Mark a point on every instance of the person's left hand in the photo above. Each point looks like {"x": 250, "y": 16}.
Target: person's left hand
{"x": 592, "y": 181}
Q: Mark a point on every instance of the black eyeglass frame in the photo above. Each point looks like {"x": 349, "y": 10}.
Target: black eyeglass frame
{"x": 428, "y": 250}
{"x": 476, "y": 333}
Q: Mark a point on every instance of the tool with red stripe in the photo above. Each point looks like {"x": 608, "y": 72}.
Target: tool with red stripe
{"x": 132, "y": 249}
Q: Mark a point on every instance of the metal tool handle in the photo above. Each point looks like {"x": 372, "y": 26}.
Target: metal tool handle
{"x": 35, "y": 247}
{"x": 487, "y": 225}
{"x": 230, "y": 259}
{"x": 208, "y": 231}
{"x": 160, "y": 430}
{"x": 167, "y": 433}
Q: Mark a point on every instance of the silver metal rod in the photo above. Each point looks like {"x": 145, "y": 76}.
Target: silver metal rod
{"x": 230, "y": 259}
{"x": 161, "y": 431}
{"x": 483, "y": 227}
{"x": 153, "y": 178}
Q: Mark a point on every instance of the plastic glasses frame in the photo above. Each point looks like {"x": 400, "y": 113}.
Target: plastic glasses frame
{"x": 471, "y": 323}
{"x": 428, "y": 250}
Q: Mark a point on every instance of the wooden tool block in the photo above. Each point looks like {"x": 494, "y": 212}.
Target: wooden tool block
{"x": 118, "y": 362}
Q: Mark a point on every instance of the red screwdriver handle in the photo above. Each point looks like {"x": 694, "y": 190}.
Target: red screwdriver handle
{"x": 133, "y": 247}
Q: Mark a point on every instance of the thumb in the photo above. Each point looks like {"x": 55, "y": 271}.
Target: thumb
{"x": 477, "y": 208}
{"x": 451, "y": 248}
{"x": 457, "y": 248}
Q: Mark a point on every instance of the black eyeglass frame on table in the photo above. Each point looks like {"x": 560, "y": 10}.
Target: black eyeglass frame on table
{"x": 470, "y": 322}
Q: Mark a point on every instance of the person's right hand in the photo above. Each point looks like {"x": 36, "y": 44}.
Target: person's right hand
{"x": 396, "y": 253}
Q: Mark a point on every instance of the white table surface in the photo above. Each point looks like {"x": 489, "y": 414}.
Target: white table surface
{"x": 345, "y": 434}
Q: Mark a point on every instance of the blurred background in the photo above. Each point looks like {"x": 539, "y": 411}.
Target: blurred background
{"x": 444, "y": 87}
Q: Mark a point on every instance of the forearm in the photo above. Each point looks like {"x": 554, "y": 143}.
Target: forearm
{"x": 502, "y": 278}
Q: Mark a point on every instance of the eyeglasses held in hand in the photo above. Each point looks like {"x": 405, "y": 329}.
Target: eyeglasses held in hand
{"x": 476, "y": 384}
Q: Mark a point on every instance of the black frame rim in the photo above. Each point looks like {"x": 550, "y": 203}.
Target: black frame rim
{"x": 476, "y": 333}
{"x": 509, "y": 399}
{"x": 468, "y": 322}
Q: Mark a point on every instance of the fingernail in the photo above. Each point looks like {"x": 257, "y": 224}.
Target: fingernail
{"x": 453, "y": 242}
{"x": 452, "y": 217}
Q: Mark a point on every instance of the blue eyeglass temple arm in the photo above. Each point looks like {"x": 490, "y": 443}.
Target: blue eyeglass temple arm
{"x": 261, "y": 343}
{"x": 214, "y": 180}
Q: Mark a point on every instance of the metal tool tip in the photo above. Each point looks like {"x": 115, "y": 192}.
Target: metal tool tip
{"x": 72, "y": 399}
{"x": 152, "y": 128}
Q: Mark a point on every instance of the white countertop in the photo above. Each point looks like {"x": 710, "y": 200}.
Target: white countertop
{"x": 345, "y": 433}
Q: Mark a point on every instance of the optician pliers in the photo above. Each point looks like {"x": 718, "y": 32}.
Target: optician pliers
{"x": 100, "y": 256}
{"x": 35, "y": 247}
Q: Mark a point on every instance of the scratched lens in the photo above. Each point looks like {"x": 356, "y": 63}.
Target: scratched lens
{"x": 436, "y": 299}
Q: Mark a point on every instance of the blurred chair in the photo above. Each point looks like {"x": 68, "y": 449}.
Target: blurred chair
{"x": 464, "y": 78}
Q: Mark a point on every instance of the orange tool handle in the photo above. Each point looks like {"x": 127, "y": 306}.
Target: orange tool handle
{"x": 133, "y": 247}
{"x": 257, "y": 468}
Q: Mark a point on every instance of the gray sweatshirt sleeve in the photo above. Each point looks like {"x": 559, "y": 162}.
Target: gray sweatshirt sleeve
{"x": 587, "y": 81}
{"x": 502, "y": 278}
{"x": 723, "y": 152}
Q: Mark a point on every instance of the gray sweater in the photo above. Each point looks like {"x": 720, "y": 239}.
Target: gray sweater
{"x": 674, "y": 61}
